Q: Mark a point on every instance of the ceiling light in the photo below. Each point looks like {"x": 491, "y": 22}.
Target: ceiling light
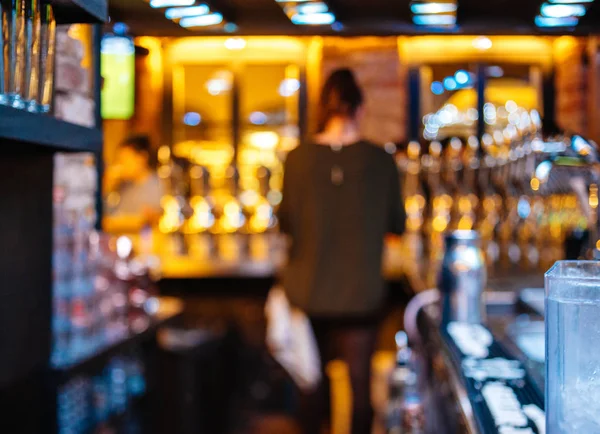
{"x": 556, "y": 22}
{"x": 562, "y": 11}
{"x": 482, "y": 43}
{"x": 292, "y": 1}
{"x": 170, "y": 3}
{"x": 433, "y": 8}
{"x": 434, "y": 20}
{"x": 325, "y": 18}
{"x": 193, "y": 11}
{"x": 202, "y": 20}
{"x": 235, "y": 44}
{"x": 312, "y": 8}
{"x": 570, "y": 1}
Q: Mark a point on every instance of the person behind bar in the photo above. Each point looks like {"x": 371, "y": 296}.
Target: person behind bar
{"x": 134, "y": 189}
{"x": 341, "y": 196}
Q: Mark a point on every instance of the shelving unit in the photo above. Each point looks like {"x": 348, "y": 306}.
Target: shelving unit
{"x": 81, "y": 11}
{"x": 19, "y": 126}
{"x": 28, "y": 143}
{"x": 169, "y": 309}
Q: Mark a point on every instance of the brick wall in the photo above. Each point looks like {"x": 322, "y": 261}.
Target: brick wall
{"x": 571, "y": 82}
{"x": 376, "y": 63}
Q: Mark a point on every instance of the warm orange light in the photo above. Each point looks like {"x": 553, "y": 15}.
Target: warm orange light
{"x": 445, "y": 49}
{"x": 154, "y": 60}
{"x": 535, "y": 184}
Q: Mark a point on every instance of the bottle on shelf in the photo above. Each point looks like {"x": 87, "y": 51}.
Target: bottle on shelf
{"x": 406, "y": 412}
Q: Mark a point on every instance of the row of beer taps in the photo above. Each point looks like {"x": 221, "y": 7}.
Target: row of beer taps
{"x": 526, "y": 194}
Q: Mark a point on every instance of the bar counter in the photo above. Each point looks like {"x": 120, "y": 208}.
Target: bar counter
{"x": 458, "y": 400}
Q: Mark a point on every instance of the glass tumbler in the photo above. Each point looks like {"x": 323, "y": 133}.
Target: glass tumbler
{"x": 32, "y": 55}
{"x": 573, "y": 347}
{"x": 47, "y": 57}
{"x": 18, "y": 61}
{"x": 9, "y": 14}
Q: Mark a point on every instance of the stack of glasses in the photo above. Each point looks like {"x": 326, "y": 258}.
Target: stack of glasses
{"x": 27, "y": 45}
{"x": 89, "y": 403}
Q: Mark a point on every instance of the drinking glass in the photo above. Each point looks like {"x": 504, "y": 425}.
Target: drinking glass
{"x": 18, "y": 40}
{"x": 9, "y": 55}
{"x": 47, "y": 57}
{"x": 573, "y": 347}
{"x": 32, "y": 55}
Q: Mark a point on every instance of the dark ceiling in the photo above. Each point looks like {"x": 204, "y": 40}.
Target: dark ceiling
{"x": 358, "y": 17}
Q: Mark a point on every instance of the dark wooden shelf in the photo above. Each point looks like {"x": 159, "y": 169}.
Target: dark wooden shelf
{"x": 47, "y": 131}
{"x": 170, "y": 308}
{"x": 80, "y": 11}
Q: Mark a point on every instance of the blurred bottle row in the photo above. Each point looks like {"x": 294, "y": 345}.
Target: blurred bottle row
{"x": 100, "y": 291}
{"x": 90, "y": 404}
{"x": 28, "y": 44}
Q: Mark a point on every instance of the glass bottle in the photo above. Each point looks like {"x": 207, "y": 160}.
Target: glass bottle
{"x": 47, "y": 57}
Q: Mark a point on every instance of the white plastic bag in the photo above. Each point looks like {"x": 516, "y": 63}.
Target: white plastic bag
{"x": 291, "y": 341}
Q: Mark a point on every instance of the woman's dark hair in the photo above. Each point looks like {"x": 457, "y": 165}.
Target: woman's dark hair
{"x": 341, "y": 96}
{"x": 141, "y": 143}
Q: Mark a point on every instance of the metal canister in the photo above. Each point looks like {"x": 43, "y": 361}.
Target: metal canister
{"x": 462, "y": 278}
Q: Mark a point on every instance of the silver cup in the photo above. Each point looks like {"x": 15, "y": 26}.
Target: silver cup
{"x": 462, "y": 278}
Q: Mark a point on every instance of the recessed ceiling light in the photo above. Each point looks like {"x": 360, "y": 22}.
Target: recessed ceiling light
{"x": 170, "y": 3}
{"x": 193, "y": 11}
{"x": 235, "y": 43}
{"x": 482, "y": 43}
{"x": 571, "y": 1}
{"x": 556, "y": 22}
{"x": 562, "y": 10}
{"x": 202, "y": 20}
{"x": 312, "y": 8}
{"x": 434, "y": 20}
{"x": 321, "y": 19}
{"x": 433, "y": 8}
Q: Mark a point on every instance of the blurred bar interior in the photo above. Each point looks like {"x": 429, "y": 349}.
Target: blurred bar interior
{"x": 491, "y": 110}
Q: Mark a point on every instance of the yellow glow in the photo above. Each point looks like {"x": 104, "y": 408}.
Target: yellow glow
{"x": 594, "y": 196}
{"x": 446, "y": 49}
{"x": 164, "y": 154}
{"x": 235, "y": 44}
{"x": 154, "y": 60}
{"x": 465, "y": 223}
{"x": 202, "y": 219}
{"x": 439, "y": 223}
{"x": 535, "y": 184}
{"x": 414, "y": 149}
{"x": 264, "y": 139}
{"x": 171, "y": 219}
{"x": 83, "y": 34}
{"x": 464, "y": 205}
{"x": 314, "y": 60}
{"x": 565, "y": 47}
{"x": 598, "y": 245}
{"x": 262, "y": 49}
